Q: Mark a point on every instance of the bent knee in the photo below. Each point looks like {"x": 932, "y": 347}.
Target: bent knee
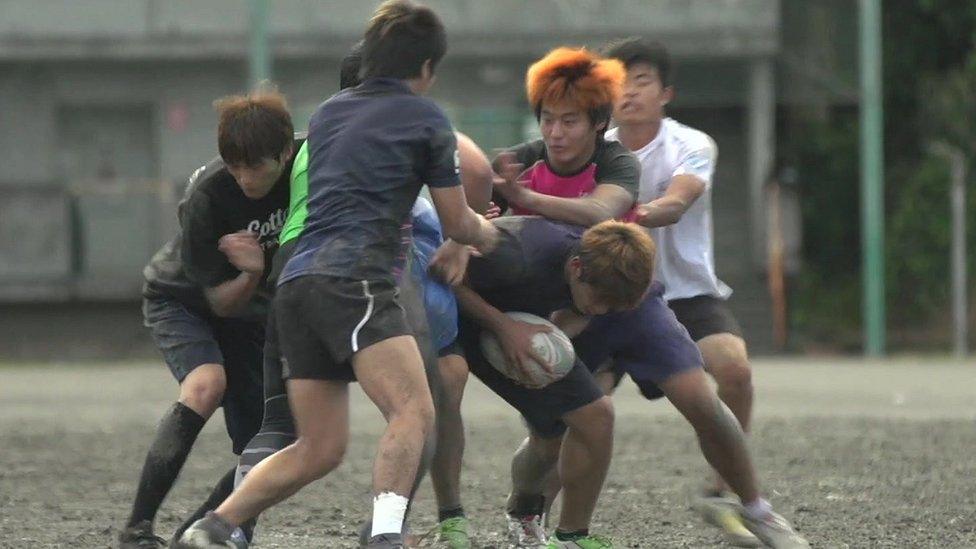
{"x": 203, "y": 390}
{"x": 595, "y": 417}
{"x": 454, "y": 377}
{"x": 726, "y": 360}
{"x": 318, "y": 458}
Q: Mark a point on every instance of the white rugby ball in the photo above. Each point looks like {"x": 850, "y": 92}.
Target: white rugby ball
{"x": 555, "y": 347}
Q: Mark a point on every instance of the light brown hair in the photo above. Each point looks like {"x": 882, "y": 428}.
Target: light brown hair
{"x": 254, "y": 127}
{"x": 617, "y": 260}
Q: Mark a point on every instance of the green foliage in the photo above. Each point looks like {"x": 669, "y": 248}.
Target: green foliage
{"x": 930, "y": 96}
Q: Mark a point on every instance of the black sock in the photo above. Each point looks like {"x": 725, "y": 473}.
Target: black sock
{"x": 220, "y": 492}
{"x": 527, "y": 505}
{"x": 449, "y": 513}
{"x": 175, "y": 436}
{"x": 572, "y": 536}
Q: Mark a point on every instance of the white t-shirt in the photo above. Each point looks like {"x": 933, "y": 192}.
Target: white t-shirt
{"x": 685, "y": 257}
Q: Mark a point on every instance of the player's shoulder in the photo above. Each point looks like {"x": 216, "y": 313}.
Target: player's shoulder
{"x": 684, "y": 138}
{"x": 611, "y": 149}
{"x": 209, "y": 178}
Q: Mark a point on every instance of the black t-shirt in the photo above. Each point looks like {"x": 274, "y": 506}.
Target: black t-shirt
{"x": 213, "y": 206}
{"x": 371, "y": 149}
{"x": 526, "y": 270}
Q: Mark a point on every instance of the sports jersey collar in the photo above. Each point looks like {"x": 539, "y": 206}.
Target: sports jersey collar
{"x": 387, "y": 83}
{"x": 658, "y": 139}
{"x": 601, "y": 142}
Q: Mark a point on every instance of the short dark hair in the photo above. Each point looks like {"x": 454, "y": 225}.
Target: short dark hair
{"x": 350, "y": 67}
{"x": 402, "y": 35}
{"x": 253, "y": 128}
{"x": 635, "y": 50}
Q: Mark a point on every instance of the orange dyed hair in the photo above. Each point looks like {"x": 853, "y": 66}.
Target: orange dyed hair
{"x": 578, "y": 75}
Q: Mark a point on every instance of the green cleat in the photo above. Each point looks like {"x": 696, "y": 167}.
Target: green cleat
{"x": 588, "y": 542}
{"x": 452, "y": 533}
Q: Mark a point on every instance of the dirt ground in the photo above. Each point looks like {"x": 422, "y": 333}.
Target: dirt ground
{"x": 856, "y": 454}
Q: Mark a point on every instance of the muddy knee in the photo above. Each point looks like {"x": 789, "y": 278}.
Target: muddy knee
{"x": 203, "y": 389}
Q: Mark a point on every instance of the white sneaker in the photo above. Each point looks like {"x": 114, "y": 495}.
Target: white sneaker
{"x": 526, "y": 531}
{"x": 775, "y": 531}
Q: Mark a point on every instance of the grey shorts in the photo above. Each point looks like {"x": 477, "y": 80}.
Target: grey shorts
{"x": 188, "y": 339}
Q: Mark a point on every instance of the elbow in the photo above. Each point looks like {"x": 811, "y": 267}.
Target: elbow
{"x": 220, "y": 307}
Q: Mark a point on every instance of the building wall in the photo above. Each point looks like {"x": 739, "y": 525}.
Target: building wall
{"x": 75, "y": 232}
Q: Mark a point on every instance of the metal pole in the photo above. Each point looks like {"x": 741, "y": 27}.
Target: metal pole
{"x": 259, "y": 58}
{"x": 957, "y": 261}
{"x": 872, "y": 179}
{"x": 959, "y": 319}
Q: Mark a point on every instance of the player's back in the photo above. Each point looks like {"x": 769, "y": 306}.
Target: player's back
{"x": 371, "y": 148}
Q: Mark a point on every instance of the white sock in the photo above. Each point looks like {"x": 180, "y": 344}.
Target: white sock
{"x": 759, "y": 509}
{"x": 388, "y": 512}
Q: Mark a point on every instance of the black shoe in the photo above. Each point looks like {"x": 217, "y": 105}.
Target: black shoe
{"x": 386, "y": 541}
{"x": 140, "y": 536}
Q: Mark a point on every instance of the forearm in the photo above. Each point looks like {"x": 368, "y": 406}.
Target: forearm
{"x": 229, "y": 298}
{"x": 584, "y": 211}
{"x": 662, "y": 212}
{"x": 470, "y": 229}
{"x": 475, "y": 307}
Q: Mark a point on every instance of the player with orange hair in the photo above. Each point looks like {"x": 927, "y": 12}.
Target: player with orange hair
{"x": 572, "y": 174}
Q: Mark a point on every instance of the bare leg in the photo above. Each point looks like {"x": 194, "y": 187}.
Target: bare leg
{"x": 391, "y": 373}
{"x": 727, "y": 361}
{"x": 445, "y": 473}
{"x": 719, "y": 434}
{"x": 584, "y": 461}
{"x": 321, "y": 410}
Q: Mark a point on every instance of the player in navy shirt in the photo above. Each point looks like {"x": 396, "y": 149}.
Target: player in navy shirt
{"x": 339, "y": 319}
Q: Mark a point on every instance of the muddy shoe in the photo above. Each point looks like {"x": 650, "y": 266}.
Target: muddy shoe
{"x": 140, "y": 536}
{"x": 386, "y": 541}
{"x": 723, "y": 512}
{"x": 526, "y": 531}
{"x": 587, "y": 542}
{"x": 775, "y": 531}
{"x": 210, "y": 532}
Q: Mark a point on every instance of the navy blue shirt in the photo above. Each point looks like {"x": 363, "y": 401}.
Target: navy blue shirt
{"x": 526, "y": 270}
{"x": 371, "y": 149}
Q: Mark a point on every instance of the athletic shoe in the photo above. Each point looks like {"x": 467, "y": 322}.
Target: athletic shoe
{"x": 452, "y": 533}
{"x": 140, "y": 536}
{"x": 526, "y": 531}
{"x": 775, "y": 531}
{"x": 588, "y": 542}
{"x": 210, "y": 532}
{"x": 386, "y": 541}
{"x": 723, "y": 512}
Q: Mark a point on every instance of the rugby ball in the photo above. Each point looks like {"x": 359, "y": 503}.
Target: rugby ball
{"x": 554, "y": 346}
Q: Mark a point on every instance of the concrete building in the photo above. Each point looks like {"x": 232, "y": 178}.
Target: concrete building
{"x": 105, "y": 109}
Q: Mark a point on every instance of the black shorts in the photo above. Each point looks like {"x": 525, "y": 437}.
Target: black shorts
{"x": 323, "y": 321}
{"x": 188, "y": 339}
{"x": 705, "y": 315}
{"x": 543, "y": 408}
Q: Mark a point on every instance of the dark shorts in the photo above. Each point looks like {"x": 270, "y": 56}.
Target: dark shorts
{"x": 323, "y": 321}
{"x": 277, "y": 413}
{"x": 647, "y": 343}
{"x": 188, "y": 339}
{"x": 705, "y": 315}
{"x": 542, "y": 408}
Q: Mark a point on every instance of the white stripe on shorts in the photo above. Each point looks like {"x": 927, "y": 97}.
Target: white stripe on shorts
{"x": 369, "y": 311}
